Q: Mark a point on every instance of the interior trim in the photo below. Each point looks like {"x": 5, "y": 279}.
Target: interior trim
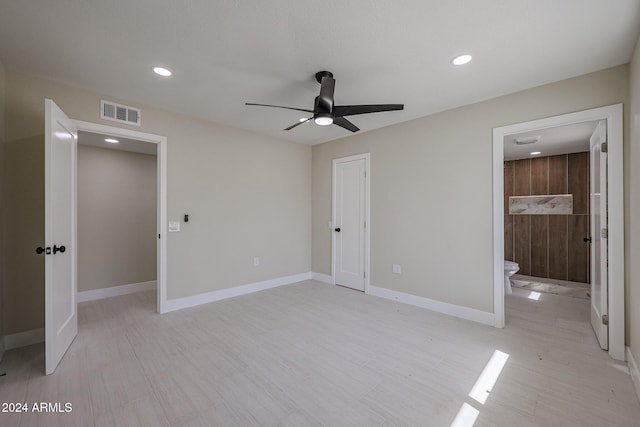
{"x": 466, "y": 313}
{"x": 635, "y": 372}
{"x": 320, "y": 277}
{"x": 114, "y": 291}
{"x": 23, "y": 339}
{"x": 207, "y": 297}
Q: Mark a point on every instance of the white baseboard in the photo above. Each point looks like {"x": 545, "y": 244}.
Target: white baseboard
{"x": 22, "y": 339}
{"x": 186, "y": 302}
{"x": 115, "y": 291}
{"x": 324, "y": 278}
{"x": 433, "y": 305}
{"x": 635, "y": 372}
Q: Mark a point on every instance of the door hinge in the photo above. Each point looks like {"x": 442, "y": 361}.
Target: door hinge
{"x": 605, "y": 319}
{"x": 365, "y": 224}
{"x": 604, "y": 233}
{"x": 603, "y": 147}
{"x": 365, "y": 274}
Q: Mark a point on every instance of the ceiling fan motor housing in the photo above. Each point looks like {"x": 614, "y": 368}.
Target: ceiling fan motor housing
{"x": 321, "y": 74}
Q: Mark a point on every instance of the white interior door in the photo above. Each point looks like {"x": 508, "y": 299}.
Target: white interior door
{"x": 599, "y": 247}
{"x": 61, "y": 316}
{"x": 349, "y": 223}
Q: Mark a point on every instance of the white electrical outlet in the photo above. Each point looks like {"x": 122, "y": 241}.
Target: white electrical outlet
{"x": 396, "y": 269}
{"x": 256, "y": 261}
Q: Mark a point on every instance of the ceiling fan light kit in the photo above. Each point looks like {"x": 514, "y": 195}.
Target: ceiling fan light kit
{"x": 323, "y": 119}
{"x": 326, "y": 113}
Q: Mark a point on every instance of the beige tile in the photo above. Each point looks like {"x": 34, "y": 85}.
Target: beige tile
{"x": 116, "y": 385}
{"x": 254, "y": 399}
{"x": 219, "y": 415}
{"x": 146, "y": 412}
{"x": 183, "y": 390}
{"x": 299, "y": 419}
{"x": 312, "y": 354}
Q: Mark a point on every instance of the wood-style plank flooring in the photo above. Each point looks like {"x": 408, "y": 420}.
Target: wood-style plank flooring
{"x": 312, "y": 354}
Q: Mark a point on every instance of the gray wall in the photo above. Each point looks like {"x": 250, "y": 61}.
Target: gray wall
{"x": 633, "y": 296}
{"x": 247, "y": 195}
{"x": 117, "y": 210}
{"x": 23, "y": 231}
{"x": 2, "y": 204}
{"x": 431, "y": 188}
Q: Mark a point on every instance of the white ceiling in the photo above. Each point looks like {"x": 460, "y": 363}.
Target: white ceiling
{"x": 124, "y": 144}
{"x": 224, "y": 53}
{"x": 553, "y": 141}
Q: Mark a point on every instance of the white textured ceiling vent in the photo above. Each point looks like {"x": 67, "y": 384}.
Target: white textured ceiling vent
{"x": 119, "y": 113}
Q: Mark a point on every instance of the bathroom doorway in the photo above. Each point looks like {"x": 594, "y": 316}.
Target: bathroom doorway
{"x": 546, "y": 229}
{"x": 545, "y": 164}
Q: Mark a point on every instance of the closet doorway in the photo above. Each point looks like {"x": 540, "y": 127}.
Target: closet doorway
{"x": 117, "y": 216}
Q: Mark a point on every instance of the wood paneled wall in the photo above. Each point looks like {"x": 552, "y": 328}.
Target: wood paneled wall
{"x": 549, "y": 246}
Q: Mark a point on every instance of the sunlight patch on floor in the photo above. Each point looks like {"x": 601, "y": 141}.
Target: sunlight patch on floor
{"x": 467, "y": 415}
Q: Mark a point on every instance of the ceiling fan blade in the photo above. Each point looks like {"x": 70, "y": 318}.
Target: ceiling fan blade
{"x": 299, "y": 123}
{"x": 344, "y": 123}
{"x": 352, "y": 110}
{"x": 325, "y": 100}
{"x": 279, "y": 106}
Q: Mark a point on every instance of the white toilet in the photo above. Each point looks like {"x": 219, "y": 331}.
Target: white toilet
{"x": 510, "y": 268}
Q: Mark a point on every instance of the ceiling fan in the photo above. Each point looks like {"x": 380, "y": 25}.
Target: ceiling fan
{"x": 325, "y": 113}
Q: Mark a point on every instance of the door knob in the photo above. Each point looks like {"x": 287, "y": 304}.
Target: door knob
{"x": 57, "y": 249}
{"x": 40, "y": 250}
{"x": 587, "y": 239}
{"x": 337, "y": 229}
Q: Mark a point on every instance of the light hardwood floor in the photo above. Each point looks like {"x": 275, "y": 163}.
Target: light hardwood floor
{"x": 312, "y": 354}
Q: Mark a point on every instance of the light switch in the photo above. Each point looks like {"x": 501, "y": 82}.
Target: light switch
{"x": 396, "y": 268}
{"x": 174, "y": 226}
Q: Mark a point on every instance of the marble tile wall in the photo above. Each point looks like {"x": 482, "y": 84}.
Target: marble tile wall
{"x": 549, "y": 246}
{"x": 559, "y": 204}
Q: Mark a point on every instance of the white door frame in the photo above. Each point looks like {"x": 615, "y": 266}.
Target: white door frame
{"x": 161, "y": 142}
{"x": 614, "y": 116}
{"x": 367, "y": 207}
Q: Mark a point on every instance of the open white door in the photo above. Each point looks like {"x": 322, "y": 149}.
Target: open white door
{"x": 61, "y": 316}
{"x": 599, "y": 247}
{"x": 349, "y": 222}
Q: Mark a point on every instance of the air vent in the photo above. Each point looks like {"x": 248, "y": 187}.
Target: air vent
{"x": 119, "y": 113}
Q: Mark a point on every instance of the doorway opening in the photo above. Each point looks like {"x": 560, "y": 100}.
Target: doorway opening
{"x": 546, "y": 230}
{"x": 140, "y": 144}
{"x": 613, "y": 294}
{"x": 117, "y": 209}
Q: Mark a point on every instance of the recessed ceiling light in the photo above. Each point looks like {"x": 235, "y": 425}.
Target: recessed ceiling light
{"x": 462, "y": 59}
{"x": 111, "y": 140}
{"x": 161, "y": 71}
{"x": 302, "y": 119}
{"x": 535, "y": 153}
